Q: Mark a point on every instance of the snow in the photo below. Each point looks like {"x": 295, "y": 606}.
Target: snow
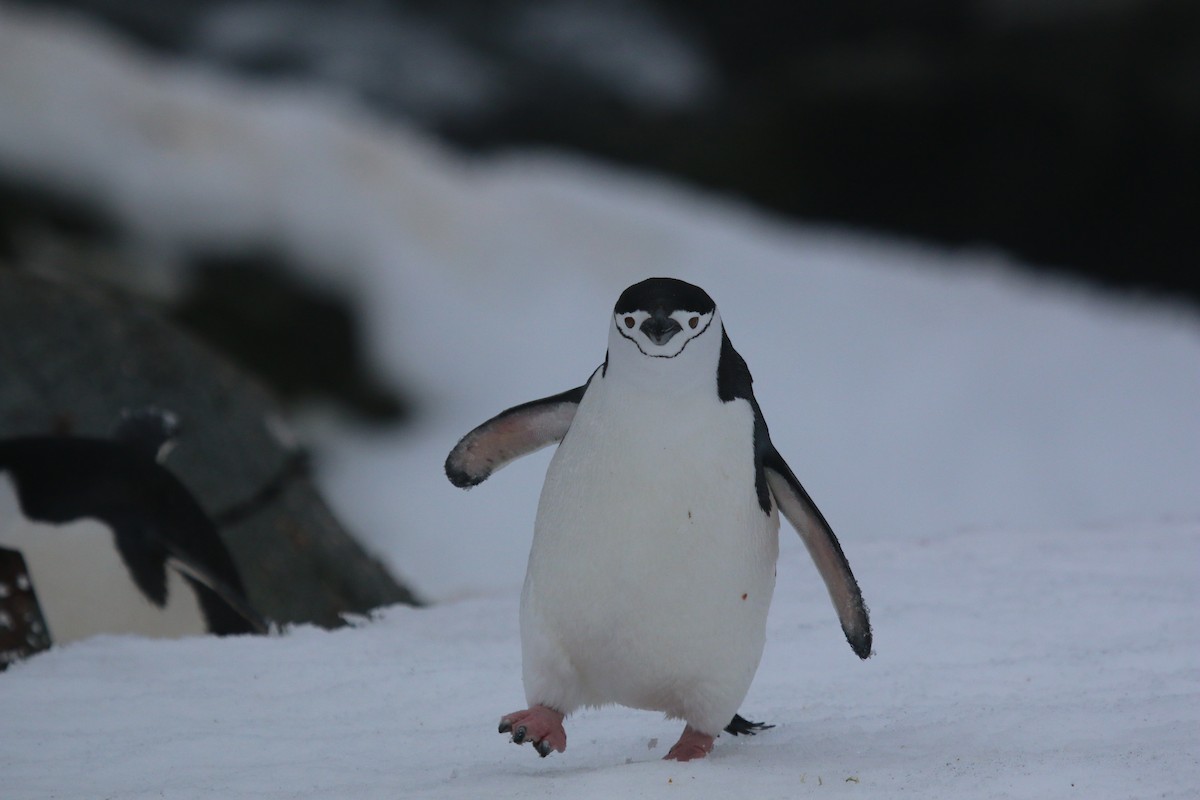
{"x": 634, "y": 52}
{"x": 1009, "y": 664}
{"x": 386, "y": 52}
{"x": 1011, "y": 465}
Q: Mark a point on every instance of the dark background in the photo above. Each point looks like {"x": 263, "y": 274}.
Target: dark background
{"x": 1064, "y": 132}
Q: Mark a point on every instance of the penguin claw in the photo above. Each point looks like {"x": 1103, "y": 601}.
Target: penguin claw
{"x": 540, "y": 726}
{"x": 691, "y": 745}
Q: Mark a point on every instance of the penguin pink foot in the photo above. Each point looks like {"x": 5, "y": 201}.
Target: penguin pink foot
{"x": 692, "y": 744}
{"x": 541, "y": 726}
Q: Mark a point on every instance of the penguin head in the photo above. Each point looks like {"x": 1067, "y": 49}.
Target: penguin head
{"x": 659, "y": 318}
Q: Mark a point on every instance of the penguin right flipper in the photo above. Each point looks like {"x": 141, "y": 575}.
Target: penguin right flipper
{"x": 511, "y": 434}
{"x": 823, "y": 547}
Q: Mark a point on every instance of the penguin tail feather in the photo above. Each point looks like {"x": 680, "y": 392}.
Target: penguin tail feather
{"x": 740, "y": 726}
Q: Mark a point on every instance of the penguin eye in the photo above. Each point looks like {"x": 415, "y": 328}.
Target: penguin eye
{"x": 629, "y": 322}
{"x": 693, "y": 322}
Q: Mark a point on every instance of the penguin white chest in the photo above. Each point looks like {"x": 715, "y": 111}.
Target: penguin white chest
{"x": 653, "y": 562}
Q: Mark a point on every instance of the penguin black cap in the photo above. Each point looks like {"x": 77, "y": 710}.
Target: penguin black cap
{"x": 669, "y": 294}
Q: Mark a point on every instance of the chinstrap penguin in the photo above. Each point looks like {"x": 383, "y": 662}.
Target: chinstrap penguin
{"x": 654, "y": 550}
{"x": 113, "y": 541}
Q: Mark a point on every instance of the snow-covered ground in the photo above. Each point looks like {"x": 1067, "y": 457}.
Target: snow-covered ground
{"x": 1012, "y": 466}
{"x": 1035, "y": 664}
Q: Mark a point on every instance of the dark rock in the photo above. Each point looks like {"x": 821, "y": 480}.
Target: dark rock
{"x": 23, "y": 630}
{"x": 75, "y": 355}
{"x": 304, "y": 343}
{"x": 33, "y": 216}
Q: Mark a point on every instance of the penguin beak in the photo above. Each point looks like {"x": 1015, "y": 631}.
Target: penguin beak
{"x": 660, "y": 328}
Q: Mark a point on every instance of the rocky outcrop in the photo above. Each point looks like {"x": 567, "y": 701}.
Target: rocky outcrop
{"x": 74, "y": 355}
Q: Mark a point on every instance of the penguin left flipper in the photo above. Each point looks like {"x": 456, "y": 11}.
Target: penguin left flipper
{"x": 795, "y": 504}
{"x": 511, "y": 434}
{"x": 189, "y": 545}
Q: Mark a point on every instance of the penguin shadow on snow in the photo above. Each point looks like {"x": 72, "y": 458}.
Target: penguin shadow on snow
{"x": 111, "y": 541}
